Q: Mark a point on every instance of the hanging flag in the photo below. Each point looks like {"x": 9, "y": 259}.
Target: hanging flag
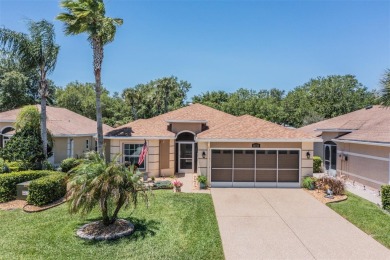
{"x": 143, "y": 153}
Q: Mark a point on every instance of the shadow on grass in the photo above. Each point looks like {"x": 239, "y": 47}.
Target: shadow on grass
{"x": 143, "y": 228}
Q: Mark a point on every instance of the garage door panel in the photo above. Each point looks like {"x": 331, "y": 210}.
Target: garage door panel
{"x": 288, "y": 176}
{"x": 222, "y": 159}
{"x": 244, "y": 159}
{"x": 288, "y": 160}
{"x": 244, "y": 175}
{"x": 221, "y": 175}
{"x": 265, "y": 175}
{"x": 265, "y": 159}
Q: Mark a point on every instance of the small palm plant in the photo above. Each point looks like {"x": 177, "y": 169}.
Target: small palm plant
{"x": 108, "y": 185}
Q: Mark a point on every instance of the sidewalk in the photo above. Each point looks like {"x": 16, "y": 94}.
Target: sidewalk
{"x": 365, "y": 192}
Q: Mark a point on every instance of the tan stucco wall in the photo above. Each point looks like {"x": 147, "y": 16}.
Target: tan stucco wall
{"x": 372, "y": 172}
{"x": 249, "y": 145}
{"x": 79, "y": 147}
{"x": 153, "y": 157}
{"x": 193, "y": 127}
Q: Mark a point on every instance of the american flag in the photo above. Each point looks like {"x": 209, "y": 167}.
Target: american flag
{"x": 143, "y": 154}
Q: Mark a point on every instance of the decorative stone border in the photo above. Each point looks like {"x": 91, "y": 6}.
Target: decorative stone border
{"x": 80, "y": 232}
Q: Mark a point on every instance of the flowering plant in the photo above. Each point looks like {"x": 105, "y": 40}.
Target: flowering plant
{"x": 177, "y": 183}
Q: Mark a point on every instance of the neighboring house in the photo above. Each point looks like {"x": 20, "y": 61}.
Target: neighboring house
{"x": 231, "y": 151}
{"x": 73, "y": 134}
{"x": 356, "y": 145}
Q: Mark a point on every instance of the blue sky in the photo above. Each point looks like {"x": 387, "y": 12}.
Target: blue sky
{"x": 224, "y": 45}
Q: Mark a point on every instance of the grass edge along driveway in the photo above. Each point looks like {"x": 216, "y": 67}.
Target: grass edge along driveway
{"x": 175, "y": 226}
{"x": 365, "y": 215}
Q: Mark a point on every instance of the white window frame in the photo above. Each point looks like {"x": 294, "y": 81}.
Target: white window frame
{"x": 124, "y": 156}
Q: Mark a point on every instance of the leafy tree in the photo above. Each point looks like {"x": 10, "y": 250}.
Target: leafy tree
{"x": 38, "y": 52}
{"x": 88, "y": 16}
{"x": 214, "y": 99}
{"x": 13, "y": 87}
{"x": 156, "y": 97}
{"x": 107, "y": 185}
{"x": 80, "y": 98}
{"x": 385, "y": 88}
{"x": 26, "y": 144}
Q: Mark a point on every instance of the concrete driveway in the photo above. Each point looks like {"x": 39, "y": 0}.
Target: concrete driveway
{"x": 287, "y": 224}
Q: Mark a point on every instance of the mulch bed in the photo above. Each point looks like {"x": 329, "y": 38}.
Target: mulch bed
{"x": 32, "y": 208}
{"x": 98, "y": 231}
{"x": 320, "y": 195}
{"x": 13, "y": 204}
{"x": 22, "y": 204}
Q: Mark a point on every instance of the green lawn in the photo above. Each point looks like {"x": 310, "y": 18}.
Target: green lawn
{"x": 365, "y": 215}
{"x": 175, "y": 226}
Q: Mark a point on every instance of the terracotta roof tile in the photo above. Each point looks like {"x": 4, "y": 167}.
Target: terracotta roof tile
{"x": 365, "y": 124}
{"x": 158, "y": 126}
{"x": 61, "y": 121}
{"x": 249, "y": 127}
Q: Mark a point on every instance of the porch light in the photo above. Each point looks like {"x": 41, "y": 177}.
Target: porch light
{"x": 308, "y": 155}
{"x": 204, "y": 155}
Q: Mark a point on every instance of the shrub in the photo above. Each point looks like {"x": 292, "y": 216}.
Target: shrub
{"x": 163, "y": 185}
{"x": 8, "y": 182}
{"x": 69, "y": 163}
{"x": 16, "y": 166}
{"x": 202, "y": 179}
{"x": 3, "y": 167}
{"x": 317, "y": 164}
{"x": 309, "y": 183}
{"x": 47, "y": 189}
{"x": 386, "y": 197}
{"x": 335, "y": 185}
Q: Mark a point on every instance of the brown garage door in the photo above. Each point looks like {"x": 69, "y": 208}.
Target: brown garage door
{"x": 254, "y": 168}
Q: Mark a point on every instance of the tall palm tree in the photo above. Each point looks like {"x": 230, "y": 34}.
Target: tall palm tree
{"x": 88, "y": 16}
{"x": 385, "y": 92}
{"x": 37, "y": 52}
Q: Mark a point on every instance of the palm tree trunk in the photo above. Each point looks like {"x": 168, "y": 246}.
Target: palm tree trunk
{"x": 97, "y": 62}
{"x": 104, "y": 208}
{"x": 121, "y": 201}
{"x": 43, "y": 119}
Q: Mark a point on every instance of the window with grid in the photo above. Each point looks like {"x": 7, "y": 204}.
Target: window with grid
{"x": 131, "y": 154}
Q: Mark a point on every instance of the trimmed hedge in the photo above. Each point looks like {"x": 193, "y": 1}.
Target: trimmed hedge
{"x": 163, "y": 185}
{"x": 317, "y": 161}
{"x": 386, "y": 197}
{"x": 9, "y": 181}
{"x": 47, "y": 189}
{"x": 69, "y": 163}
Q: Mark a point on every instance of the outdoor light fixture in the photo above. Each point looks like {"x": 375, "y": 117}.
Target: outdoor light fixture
{"x": 204, "y": 155}
{"x": 308, "y": 155}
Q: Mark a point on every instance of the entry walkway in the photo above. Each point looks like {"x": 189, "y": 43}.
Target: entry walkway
{"x": 287, "y": 224}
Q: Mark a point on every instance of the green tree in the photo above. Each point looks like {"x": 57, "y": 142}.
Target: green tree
{"x": 13, "y": 88}
{"x": 385, "y": 88}
{"x": 80, "y": 98}
{"x": 214, "y": 99}
{"x": 26, "y": 144}
{"x": 156, "y": 97}
{"x": 88, "y": 16}
{"x": 36, "y": 51}
{"x": 107, "y": 185}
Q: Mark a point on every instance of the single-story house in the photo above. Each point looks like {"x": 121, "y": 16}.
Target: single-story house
{"x": 232, "y": 151}
{"x": 73, "y": 134}
{"x": 356, "y": 145}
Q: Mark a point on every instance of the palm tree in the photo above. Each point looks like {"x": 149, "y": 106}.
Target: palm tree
{"x": 88, "y": 16}
{"x": 108, "y": 185}
{"x": 38, "y": 52}
{"x": 385, "y": 92}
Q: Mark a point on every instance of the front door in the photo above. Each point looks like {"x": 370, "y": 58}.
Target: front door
{"x": 186, "y": 157}
{"x": 330, "y": 159}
